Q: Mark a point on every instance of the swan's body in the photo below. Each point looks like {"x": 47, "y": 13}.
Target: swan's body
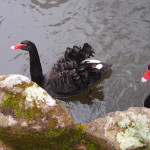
{"x": 71, "y": 74}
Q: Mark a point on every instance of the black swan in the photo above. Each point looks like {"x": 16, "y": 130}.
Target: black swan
{"x": 145, "y": 77}
{"x": 71, "y": 74}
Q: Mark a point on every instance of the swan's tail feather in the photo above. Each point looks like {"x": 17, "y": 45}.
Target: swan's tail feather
{"x": 86, "y": 52}
{"x": 78, "y": 54}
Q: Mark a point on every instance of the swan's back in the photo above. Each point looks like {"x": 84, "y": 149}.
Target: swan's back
{"x": 73, "y": 73}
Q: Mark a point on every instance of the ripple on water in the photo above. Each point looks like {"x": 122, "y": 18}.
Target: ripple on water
{"x": 1, "y": 20}
{"x": 46, "y": 4}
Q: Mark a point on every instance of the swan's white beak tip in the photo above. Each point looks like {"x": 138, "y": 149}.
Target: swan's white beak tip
{"x": 143, "y": 80}
{"x": 12, "y": 47}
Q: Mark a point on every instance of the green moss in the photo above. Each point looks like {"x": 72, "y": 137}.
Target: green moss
{"x": 89, "y": 145}
{"x": 60, "y": 139}
{"x": 16, "y": 102}
{"x": 54, "y": 133}
{"x": 69, "y": 117}
{"x": 24, "y": 85}
{"x": 2, "y": 78}
{"x": 80, "y": 128}
{"x": 19, "y": 113}
{"x": 12, "y": 101}
{"x": 52, "y": 112}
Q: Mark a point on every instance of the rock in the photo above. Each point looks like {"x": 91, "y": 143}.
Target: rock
{"x": 122, "y": 130}
{"x": 32, "y": 119}
{"x": 3, "y": 146}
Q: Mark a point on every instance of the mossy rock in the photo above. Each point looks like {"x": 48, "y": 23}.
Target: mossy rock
{"x": 30, "y": 121}
{"x": 69, "y": 138}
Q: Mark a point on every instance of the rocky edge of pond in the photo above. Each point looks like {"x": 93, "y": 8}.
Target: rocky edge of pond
{"x": 31, "y": 119}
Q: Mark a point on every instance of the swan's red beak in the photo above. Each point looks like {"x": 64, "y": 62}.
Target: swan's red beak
{"x": 146, "y": 76}
{"x": 17, "y": 46}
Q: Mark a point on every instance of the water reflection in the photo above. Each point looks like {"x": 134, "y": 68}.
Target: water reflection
{"x": 85, "y": 112}
{"x": 95, "y": 91}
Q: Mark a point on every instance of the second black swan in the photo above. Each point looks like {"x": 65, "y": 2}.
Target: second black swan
{"x": 145, "y": 77}
{"x": 71, "y": 74}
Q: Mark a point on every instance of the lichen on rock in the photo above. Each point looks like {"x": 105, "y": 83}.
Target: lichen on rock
{"x": 10, "y": 80}
{"x": 125, "y": 122}
{"x": 36, "y": 93}
{"x": 134, "y": 133}
{"x": 122, "y": 130}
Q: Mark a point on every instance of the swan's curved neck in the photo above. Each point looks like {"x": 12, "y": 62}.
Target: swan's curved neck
{"x": 35, "y": 67}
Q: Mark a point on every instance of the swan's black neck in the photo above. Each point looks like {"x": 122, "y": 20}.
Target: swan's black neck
{"x": 35, "y": 66}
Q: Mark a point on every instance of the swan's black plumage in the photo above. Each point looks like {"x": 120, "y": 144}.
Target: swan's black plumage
{"x": 147, "y": 102}
{"x": 70, "y": 74}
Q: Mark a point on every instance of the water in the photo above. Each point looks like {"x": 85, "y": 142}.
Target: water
{"x": 118, "y": 30}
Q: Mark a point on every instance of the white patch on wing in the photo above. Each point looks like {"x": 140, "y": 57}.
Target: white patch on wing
{"x": 99, "y": 66}
{"x": 91, "y": 61}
